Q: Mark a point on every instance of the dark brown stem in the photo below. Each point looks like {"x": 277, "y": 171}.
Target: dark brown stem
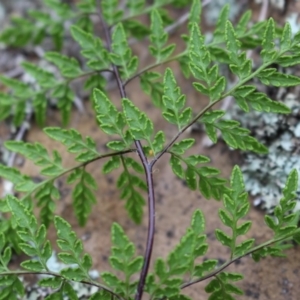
{"x": 148, "y": 68}
{"x": 228, "y": 263}
{"x": 175, "y": 57}
{"x": 207, "y": 108}
{"x": 148, "y": 171}
{"x": 82, "y": 165}
{"x": 89, "y": 74}
{"x": 92, "y": 283}
{"x": 170, "y": 144}
{"x": 151, "y": 222}
{"x": 145, "y": 11}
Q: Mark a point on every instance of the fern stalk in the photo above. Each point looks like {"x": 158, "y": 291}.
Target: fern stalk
{"x": 149, "y": 178}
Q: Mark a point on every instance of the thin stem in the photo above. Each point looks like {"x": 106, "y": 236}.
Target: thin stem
{"x": 175, "y": 57}
{"x": 228, "y": 263}
{"x": 206, "y": 108}
{"x": 49, "y": 273}
{"x": 110, "y": 154}
{"x": 170, "y": 28}
{"x": 88, "y": 74}
{"x": 145, "y": 11}
{"x": 66, "y": 81}
{"x": 130, "y": 183}
{"x": 148, "y": 172}
{"x": 183, "y": 18}
{"x": 151, "y": 222}
{"x": 154, "y": 65}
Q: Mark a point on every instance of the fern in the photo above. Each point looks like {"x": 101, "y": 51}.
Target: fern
{"x": 131, "y": 131}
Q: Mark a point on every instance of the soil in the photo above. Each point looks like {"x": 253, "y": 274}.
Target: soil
{"x": 272, "y": 278}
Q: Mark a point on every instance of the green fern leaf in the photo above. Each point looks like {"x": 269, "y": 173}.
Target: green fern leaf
{"x": 72, "y": 139}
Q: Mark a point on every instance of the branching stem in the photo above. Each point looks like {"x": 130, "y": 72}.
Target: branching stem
{"x": 49, "y": 273}
{"x": 86, "y": 74}
{"x": 148, "y": 171}
{"x": 154, "y": 65}
{"x": 144, "y": 12}
{"x": 229, "y": 262}
{"x": 110, "y": 154}
{"x": 208, "y": 107}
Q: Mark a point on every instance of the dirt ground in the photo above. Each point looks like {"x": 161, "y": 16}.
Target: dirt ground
{"x": 272, "y": 278}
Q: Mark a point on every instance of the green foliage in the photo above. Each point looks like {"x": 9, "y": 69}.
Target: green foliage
{"x": 72, "y": 249}
{"x": 235, "y": 136}
{"x": 222, "y": 288}
{"x": 15, "y": 102}
{"x": 33, "y": 237}
{"x": 110, "y": 11}
{"x": 69, "y": 67}
{"x": 122, "y": 259}
{"x": 121, "y": 54}
{"x": 83, "y": 196}
{"x": 46, "y": 193}
{"x": 141, "y": 127}
{"x": 174, "y": 102}
{"x": 110, "y": 120}
{"x": 158, "y": 38}
{"x": 22, "y": 183}
{"x": 46, "y": 196}
{"x": 152, "y": 87}
{"x": 169, "y": 275}
{"x": 236, "y": 206}
{"x": 40, "y": 25}
{"x": 128, "y": 184}
{"x": 200, "y": 61}
{"x": 72, "y": 139}
{"x": 92, "y": 49}
{"x": 131, "y": 131}
{"x": 209, "y": 184}
{"x": 113, "y": 122}
{"x": 35, "y": 245}
{"x": 283, "y": 223}
{"x": 39, "y": 155}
